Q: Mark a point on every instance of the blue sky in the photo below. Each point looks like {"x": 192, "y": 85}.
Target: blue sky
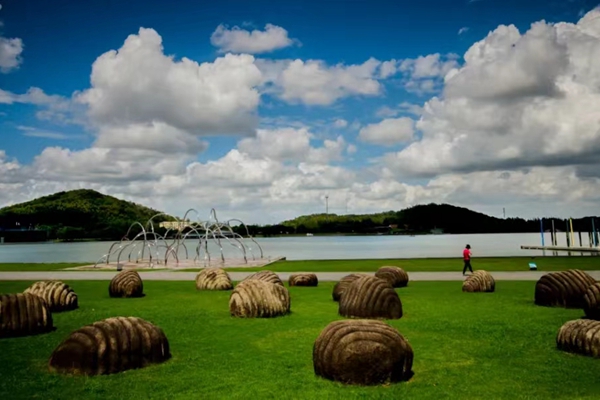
{"x": 60, "y": 41}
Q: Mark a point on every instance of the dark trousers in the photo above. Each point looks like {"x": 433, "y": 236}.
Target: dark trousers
{"x": 467, "y": 265}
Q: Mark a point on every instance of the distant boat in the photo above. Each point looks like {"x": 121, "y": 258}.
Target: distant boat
{"x": 309, "y": 234}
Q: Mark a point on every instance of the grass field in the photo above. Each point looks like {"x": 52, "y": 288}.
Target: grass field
{"x": 436, "y": 264}
{"x": 476, "y": 346}
{"x": 36, "y": 266}
{"x": 415, "y": 264}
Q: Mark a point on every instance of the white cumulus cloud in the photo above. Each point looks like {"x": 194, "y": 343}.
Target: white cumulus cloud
{"x": 530, "y": 99}
{"x": 10, "y": 54}
{"x": 237, "y": 40}
{"x": 313, "y": 82}
{"x": 291, "y": 144}
{"x": 139, "y": 84}
{"x": 388, "y": 132}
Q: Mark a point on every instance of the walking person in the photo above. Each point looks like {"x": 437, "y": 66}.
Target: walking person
{"x": 467, "y": 259}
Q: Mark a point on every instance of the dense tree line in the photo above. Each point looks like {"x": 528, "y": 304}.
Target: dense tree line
{"x": 421, "y": 219}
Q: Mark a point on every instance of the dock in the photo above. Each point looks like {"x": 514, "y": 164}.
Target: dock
{"x": 564, "y": 248}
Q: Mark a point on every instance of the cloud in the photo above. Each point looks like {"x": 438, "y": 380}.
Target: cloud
{"x": 237, "y": 40}
{"x": 33, "y": 95}
{"x": 290, "y": 144}
{"x": 519, "y": 100}
{"x": 139, "y": 84}
{"x": 462, "y": 30}
{"x": 430, "y": 66}
{"x": 504, "y": 66}
{"x": 53, "y": 108}
{"x": 10, "y": 54}
{"x": 388, "y": 132}
{"x": 340, "y": 123}
{"x": 313, "y": 82}
{"x": 424, "y": 74}
{"x": 388, "y": 68}
{"x": 10, "y": 169}
{"x": 104, "y": 165}
{"x": 41, "y": 133}
{"x": 404, "y": 107}
{"x": 155, "y": 136}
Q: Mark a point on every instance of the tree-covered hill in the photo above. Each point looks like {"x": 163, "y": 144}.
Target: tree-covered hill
{"x": 421, "y": 219}
{"x": 77, "y": 214}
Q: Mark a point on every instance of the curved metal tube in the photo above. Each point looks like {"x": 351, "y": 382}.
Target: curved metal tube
{"x": 248, "y": 234}
{"x": 204, "y": 230}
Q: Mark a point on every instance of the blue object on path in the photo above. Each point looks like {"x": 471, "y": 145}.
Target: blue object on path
{"x": 532, "y": 266}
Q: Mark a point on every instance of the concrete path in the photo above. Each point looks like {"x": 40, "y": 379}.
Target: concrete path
{"x": 237, "y": 276}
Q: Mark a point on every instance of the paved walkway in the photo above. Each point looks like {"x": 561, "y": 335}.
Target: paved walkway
{"x": 237, "y": 276}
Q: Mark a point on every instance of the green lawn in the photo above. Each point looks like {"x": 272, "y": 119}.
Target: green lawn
{"x": 415, "y": 264}
{"x": 436, "y": 264}
{"x": 476, "y": 346}
{"x": 37, "y": 266}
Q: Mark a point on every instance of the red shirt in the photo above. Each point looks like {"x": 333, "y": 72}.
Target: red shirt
{"x": 466, "y": 254}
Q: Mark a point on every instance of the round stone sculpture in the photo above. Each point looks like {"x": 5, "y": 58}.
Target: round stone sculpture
{"x": 362, "y": 352}
{"x": 343, "y": 284}
{"x": 110, "y": 346}
{"x": 57, "y": 295}
{"x": 370, "y": 297}
{"x": 396, "y": 276}
{"x": 479, "y": 281}
{"x": 24, "y": 314}
{"x": 265, "y": 276}
{"x": 259, "y": 299}
{"x": 303, "y": 280}
{"x": 563, "y": 289}
{"x": 126, "y": 284}
{"x": 580, "y": 336}
{"x": 213, "y": 279}
{"x": 592, "y": 302}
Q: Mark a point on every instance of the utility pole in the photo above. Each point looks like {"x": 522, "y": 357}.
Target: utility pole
{"x": 346, "y": 203}
{"x": 327, "y": 204}
{"x": 504, "y": 212}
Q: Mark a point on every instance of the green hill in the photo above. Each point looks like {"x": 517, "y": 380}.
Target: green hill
{"x": 443, "y": 218}
{"x": 77, "y": 214}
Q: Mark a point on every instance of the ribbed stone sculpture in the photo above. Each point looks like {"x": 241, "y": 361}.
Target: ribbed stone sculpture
{"x": 362, "y": 352}
{"x": 110, "y": 346}
{"x": 57, "y": 295}
{"x": 303, "y": 280}
{"x": 265, "y": 276}
{"x": 580, "y": 336}
{"x": 213, "y": 279}
{"x": 396, "y": 276}
{"x": 592, "y": 302}
{"x": 563, "y": 289}
{"x": 479, "y": 281}
{"x": 343, "y": 284}
{"x": 23, "y": 314}
{"x": 370, "y": 297}
{"x": 259, "y": 299}
{"x": 126, "y": 284}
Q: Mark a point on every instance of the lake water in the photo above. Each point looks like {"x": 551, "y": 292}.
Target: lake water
{"x": 311, "y": 248}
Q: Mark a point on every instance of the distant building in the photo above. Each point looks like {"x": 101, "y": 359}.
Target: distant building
{"x": 174, "y": 224}
{"x": 437, "y": 231}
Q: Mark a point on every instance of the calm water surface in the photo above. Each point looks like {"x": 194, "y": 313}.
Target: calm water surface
{"x": 308, "y": 248}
